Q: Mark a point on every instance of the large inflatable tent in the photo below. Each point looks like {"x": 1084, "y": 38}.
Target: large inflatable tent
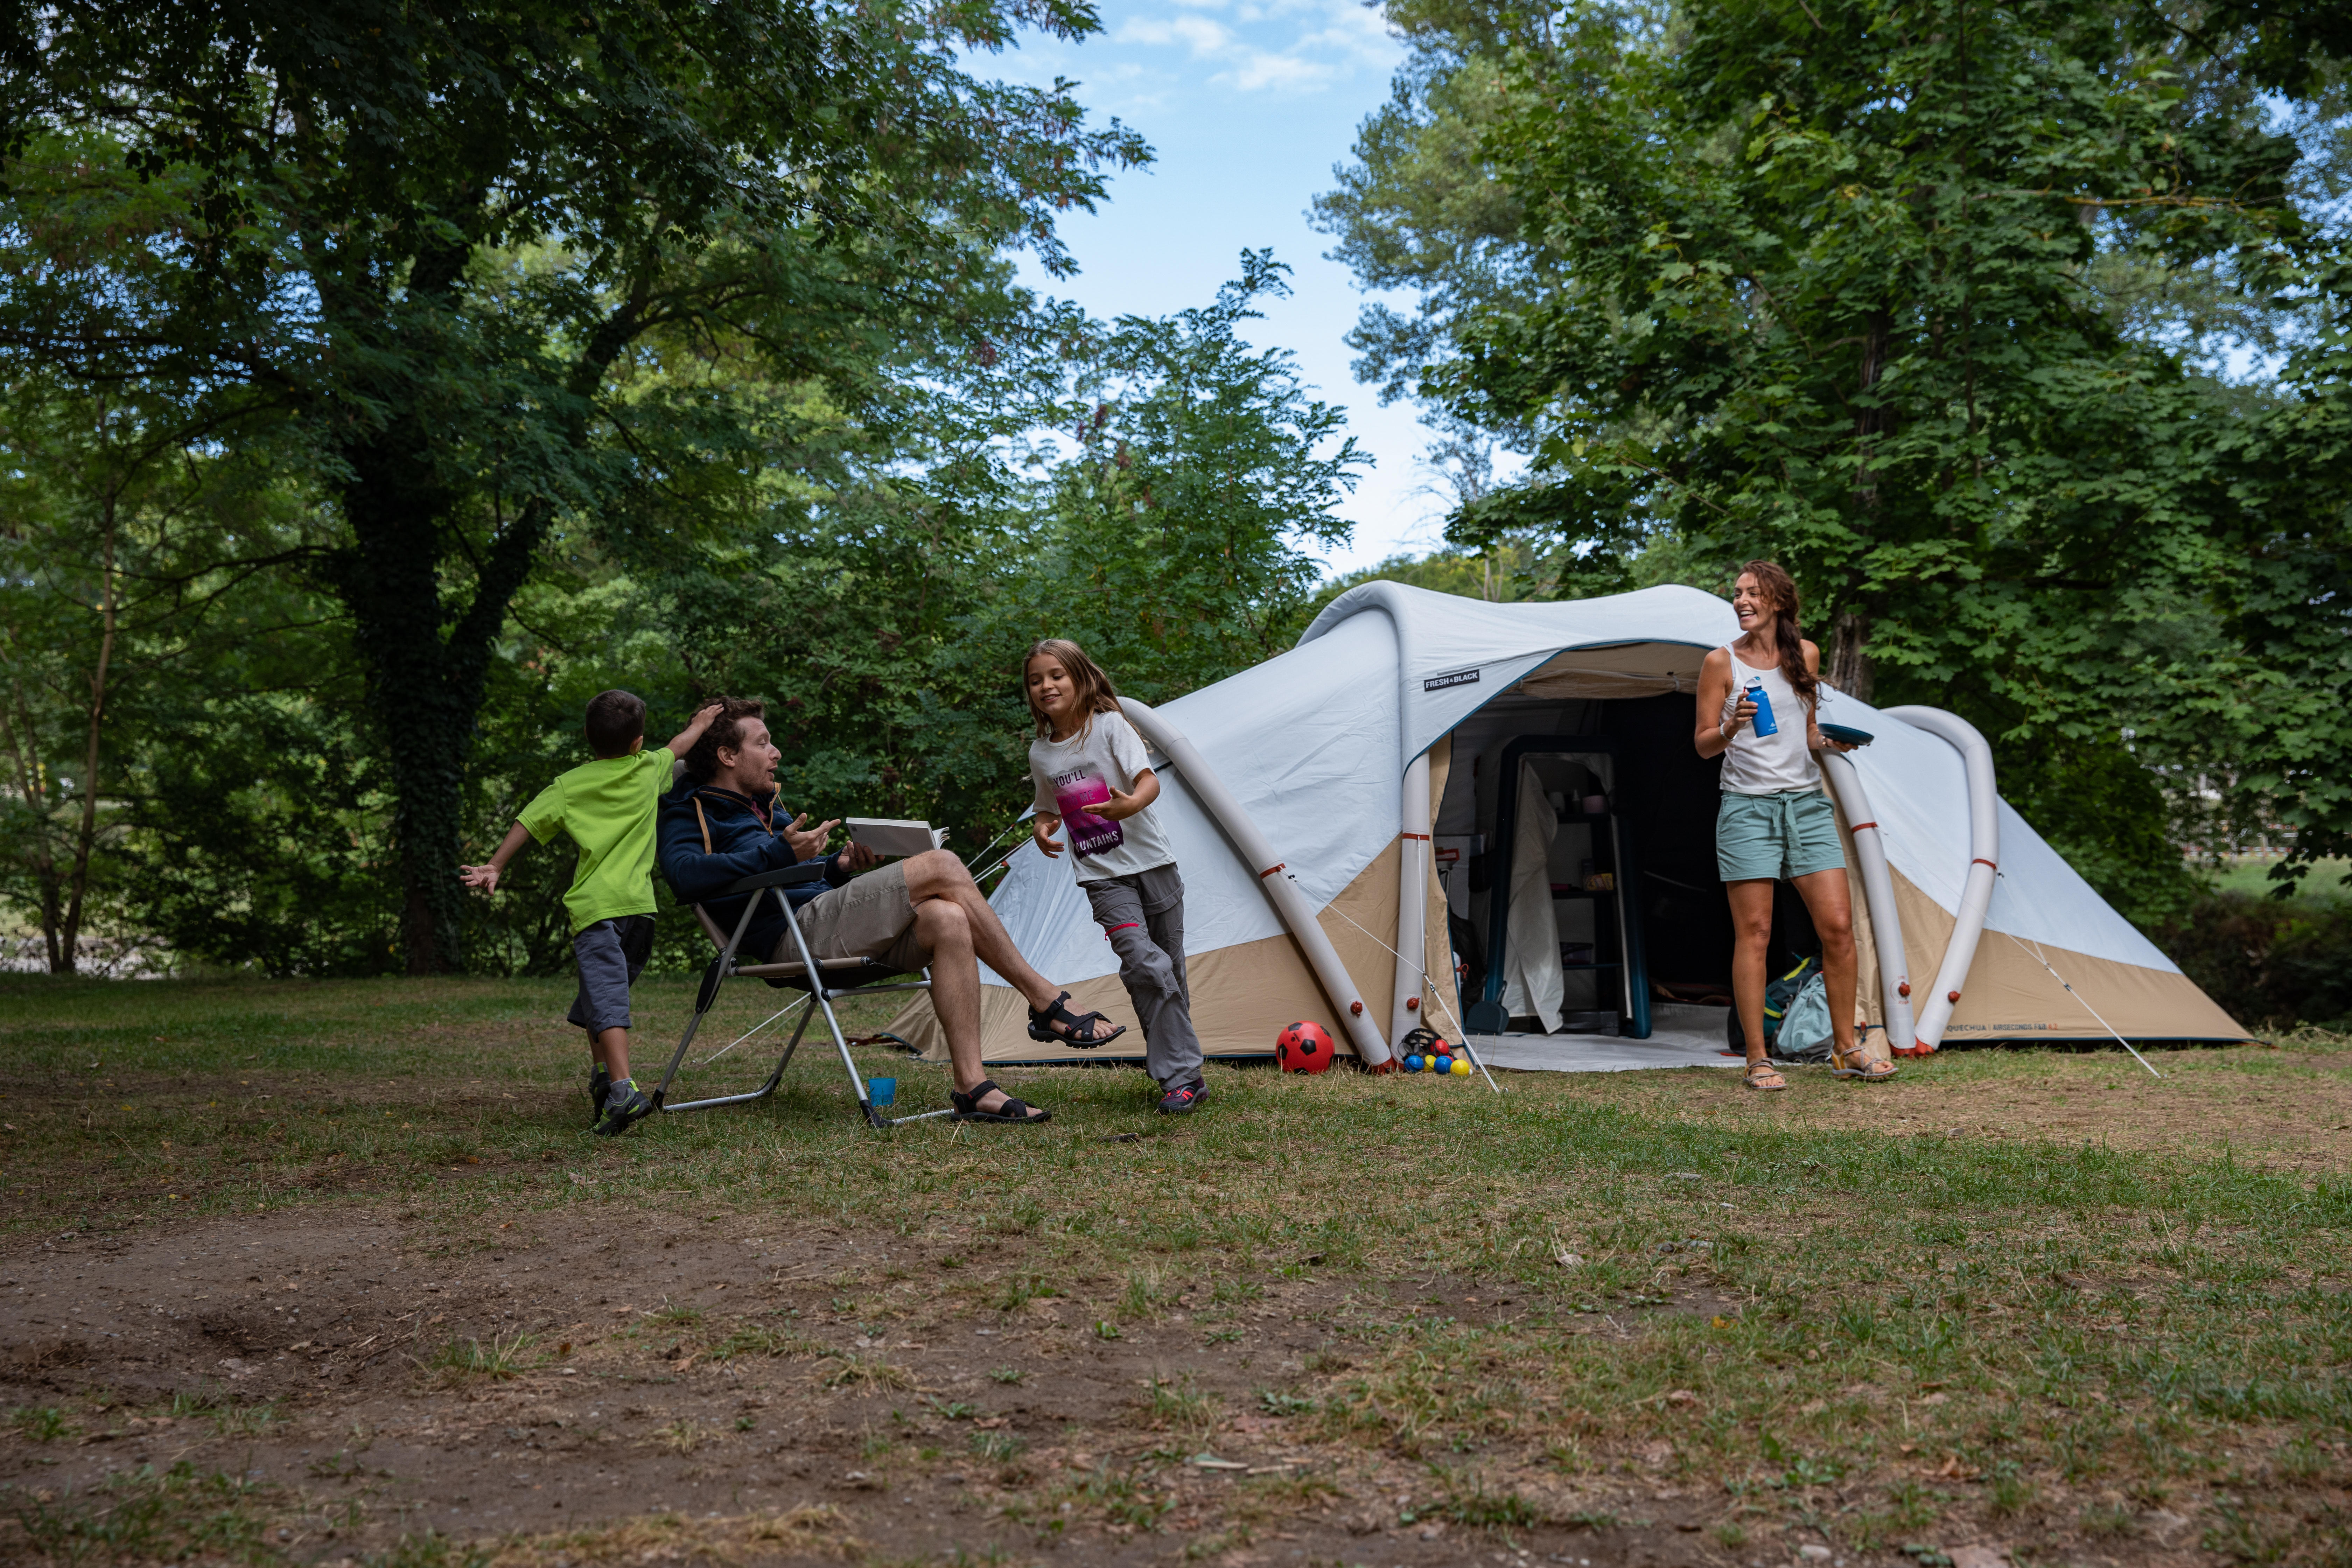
{"x": 1435, "y": 809}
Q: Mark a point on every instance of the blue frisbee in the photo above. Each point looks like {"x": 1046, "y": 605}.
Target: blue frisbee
{"x": 1846, "y": 736}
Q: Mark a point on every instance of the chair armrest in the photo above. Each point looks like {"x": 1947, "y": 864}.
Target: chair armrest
{"x": 786, "y": 877}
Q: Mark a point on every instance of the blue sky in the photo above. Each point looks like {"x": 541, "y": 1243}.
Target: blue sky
{"x": 1248, "y": 104}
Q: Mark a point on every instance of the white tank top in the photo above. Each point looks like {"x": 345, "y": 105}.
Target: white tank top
{"x": 1768, "y": 764}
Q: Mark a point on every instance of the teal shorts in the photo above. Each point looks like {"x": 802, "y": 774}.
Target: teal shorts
{"x": 1791, "y": 834}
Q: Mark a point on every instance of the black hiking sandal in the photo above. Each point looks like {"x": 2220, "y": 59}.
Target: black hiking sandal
{"x": 600, "y": 1084}
{"x": 1080, "y": 1031}
{"x": 1183, "y": 1100}
{"x": 967, "y": 1107}
{"x": 624, "y": 1109}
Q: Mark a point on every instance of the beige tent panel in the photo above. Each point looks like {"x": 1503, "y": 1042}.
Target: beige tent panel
{"x": 1623, "y": 669}
{"x": 2011, "y": 996}
{"x": 1241, "y": 996}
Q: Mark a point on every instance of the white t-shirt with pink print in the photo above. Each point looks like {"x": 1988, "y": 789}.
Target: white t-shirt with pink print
{"x": 1073, "y": 774}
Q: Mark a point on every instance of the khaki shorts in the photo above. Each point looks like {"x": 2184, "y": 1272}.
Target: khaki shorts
{"x": 870, "y": 916}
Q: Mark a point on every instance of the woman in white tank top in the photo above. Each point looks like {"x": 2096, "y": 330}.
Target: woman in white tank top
{"x": 1774, "y": 821}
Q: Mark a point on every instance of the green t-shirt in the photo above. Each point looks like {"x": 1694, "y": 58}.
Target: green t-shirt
{"x": 607, "y": 808}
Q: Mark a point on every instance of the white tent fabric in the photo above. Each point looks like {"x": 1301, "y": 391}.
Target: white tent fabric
{"x": 1291, "y": 738}
{"x": 1313, "y": 743}
{"x": 1459, "y": 654}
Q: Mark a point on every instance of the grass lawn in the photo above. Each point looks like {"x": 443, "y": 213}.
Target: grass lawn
{"x": 2251, "y": 875}
{"x": 295, "y": 1273}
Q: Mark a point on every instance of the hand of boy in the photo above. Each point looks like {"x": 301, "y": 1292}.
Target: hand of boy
{"x": 485, "y": 877}
{"x": 683, "y": 741}
{"x": 1042, "y": 829}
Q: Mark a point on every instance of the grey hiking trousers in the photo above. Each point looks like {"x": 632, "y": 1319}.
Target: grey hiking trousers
{"x": 1143, "y": 915}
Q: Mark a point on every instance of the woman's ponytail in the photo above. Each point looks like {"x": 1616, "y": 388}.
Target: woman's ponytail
{"x": 1781, "y": 589}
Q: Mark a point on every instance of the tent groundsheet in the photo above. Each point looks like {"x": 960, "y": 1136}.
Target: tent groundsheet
{"x": 1681, "y": 1036}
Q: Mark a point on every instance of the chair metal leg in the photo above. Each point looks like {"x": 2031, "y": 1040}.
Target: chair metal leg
{"x": 706, "y": 997}
{"x": 766, "y": 1089}
{"x": 819, "y": 1000}
{"x": 822, "y": 993}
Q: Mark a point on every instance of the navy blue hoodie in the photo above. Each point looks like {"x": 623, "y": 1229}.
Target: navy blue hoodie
{"x": 744, "y": 836}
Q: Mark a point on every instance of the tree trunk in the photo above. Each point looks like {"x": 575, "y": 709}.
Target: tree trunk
{"x": 425, "y": 684}
{"x": 32, "y": 787}
{"x": 1849, "y": 658}
{"x": 389, "y": 581}
{"x": 428, "y": 661}
{"x": 65, "y": 948}
{"x": 1871, "y": 423}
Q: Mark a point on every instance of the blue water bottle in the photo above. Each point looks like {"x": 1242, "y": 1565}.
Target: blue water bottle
{"x": 1763, "y": 720}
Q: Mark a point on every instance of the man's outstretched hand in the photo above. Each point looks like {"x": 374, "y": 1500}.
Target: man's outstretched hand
{"x": 808, "y": 843}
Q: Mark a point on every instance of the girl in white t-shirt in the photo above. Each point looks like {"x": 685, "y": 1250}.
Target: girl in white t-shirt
{"x": 1094, "y": 777}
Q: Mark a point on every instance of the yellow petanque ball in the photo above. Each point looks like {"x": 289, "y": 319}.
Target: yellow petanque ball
{"x": 1461, "y": 1068}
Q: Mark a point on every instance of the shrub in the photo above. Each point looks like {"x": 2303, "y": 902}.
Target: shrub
{"x": 2269, "y": 962}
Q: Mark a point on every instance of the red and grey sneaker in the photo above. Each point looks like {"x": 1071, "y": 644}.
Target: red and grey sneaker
{"x": 1182, "y": 1099}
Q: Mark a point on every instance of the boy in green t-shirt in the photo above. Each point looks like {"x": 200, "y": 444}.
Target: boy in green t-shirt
{"x": 606, "y": 807}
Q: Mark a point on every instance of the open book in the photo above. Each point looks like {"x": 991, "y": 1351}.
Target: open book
{"x": 894, "y": 836}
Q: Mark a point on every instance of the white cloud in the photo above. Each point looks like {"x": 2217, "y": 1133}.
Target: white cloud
{"x": 1261, "y": 70}
{"x": 1274, "y": 45}
{"x": 1207, "y": 40}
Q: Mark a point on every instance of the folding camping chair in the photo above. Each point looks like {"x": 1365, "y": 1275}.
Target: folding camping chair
{"x": 817, "y": 978}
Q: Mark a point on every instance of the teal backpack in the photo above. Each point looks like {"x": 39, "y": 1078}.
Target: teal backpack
{"x": 1780, "y": 996}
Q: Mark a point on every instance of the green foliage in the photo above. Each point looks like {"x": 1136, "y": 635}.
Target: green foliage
{"x": 2284, "y": 600}
{"x": 1825, "y": 301}
{"x": 1962, "y": 313}
{"x": 133, "y": 582}
{"x": 443, "y": 240}
{"x": 1146, "y": 487}
{"x": 2270, "y": 963}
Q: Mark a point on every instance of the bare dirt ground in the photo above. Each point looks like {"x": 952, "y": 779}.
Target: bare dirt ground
{"x": 333, "y": 1274}
{"x": 2285, "y": 1107}
{"x": 720, "y": 1381}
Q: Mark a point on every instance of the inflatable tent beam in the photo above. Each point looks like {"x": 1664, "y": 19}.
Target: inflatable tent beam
{"x": 1984, "y": 848}
{"x": 1280, "y": 887}
{"x": 1413, "y": 900}
{"x": 1878, "y": 897}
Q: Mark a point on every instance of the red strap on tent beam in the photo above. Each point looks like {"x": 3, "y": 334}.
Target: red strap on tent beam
{"x": 1270, "y": 872}
{"x": 1860, "y": 826}
{"x": 1981, "y": 861}
{"x": 1422, "y": 836}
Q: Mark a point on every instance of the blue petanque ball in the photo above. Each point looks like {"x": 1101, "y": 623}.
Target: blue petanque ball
{"x": 1413, "y": 1064}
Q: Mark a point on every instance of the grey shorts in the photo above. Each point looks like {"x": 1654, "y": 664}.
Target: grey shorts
{"x": 612, "y": 954}
{"x": 870, "y": 916}
{"x": 1791, "y": 834}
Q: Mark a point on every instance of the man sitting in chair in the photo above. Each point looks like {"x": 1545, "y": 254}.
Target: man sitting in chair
{"x": 721, "y": 822}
